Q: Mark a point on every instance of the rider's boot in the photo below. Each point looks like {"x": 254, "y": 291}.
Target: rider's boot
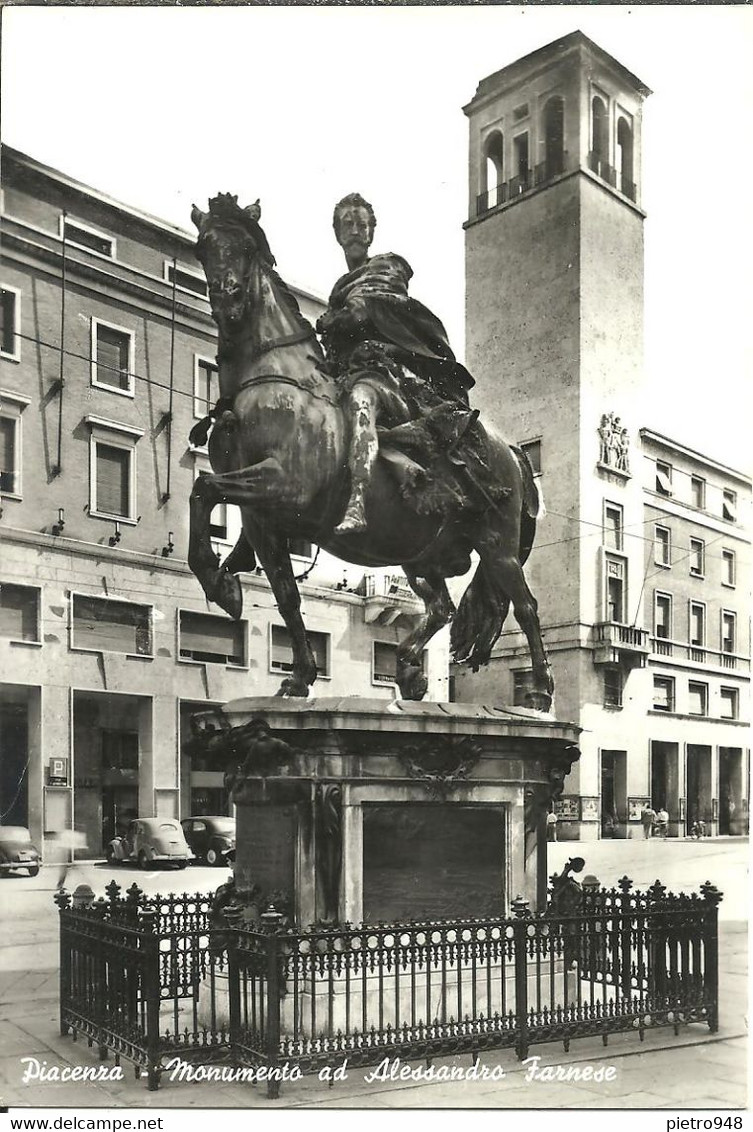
{"x": 354, "y": 519}
{"x": 364, "y": 448}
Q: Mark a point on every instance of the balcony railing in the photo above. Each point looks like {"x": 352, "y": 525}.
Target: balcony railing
{"x": 681, "y": 650}
{"x": 388, "y": 596}
{"x": 608, "y": 173}
{"x": 532, "y": 178}
{"x": 617, "y": 643}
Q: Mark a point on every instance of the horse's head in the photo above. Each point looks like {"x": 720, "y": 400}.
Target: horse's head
{"x": 230, "y": 242}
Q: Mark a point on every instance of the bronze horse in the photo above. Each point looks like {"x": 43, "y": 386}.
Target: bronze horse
{"x": 278, "y": 450}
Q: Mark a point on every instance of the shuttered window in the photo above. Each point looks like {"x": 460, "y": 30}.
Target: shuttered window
{"x": 664, "y": 693}
{"x": 522, "y": 684}
{"x": 19, "y": 612}
{"x": 8, "y": 343}
{"x": 385, "y": 663}
{"x": 8, "y": 449}
{"x": 113, "y": 482}
{"x": 281, "y": 659}
{"x": 206, "y": 387}
{"x": 106, "y": 625}
{"x": 113, "y": 349}
{"x": 187, "y": 280}
{"x": 85, "y": 238}
{"x": 210, "y": 639}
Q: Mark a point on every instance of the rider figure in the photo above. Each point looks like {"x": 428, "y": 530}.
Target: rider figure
{"x": 390, "y": 354}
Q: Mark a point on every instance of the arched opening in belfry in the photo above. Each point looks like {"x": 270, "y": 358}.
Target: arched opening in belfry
{"x": 625, "y": 157}
{"x": 599, "y": 135}
{"x": 554, "y": 136}
{"x": 494, "y": 168}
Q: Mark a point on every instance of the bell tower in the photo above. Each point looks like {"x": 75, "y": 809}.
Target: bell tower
{"x": 554, "y": 332}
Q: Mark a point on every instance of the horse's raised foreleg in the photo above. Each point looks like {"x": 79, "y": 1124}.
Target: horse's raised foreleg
{"x": 504, "y": 573}
{"x": 439, "y": 609}
{"x": 259, "y": 483}
{"x": 272, "y": 552}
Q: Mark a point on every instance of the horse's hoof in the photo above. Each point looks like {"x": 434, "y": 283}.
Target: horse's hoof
{"x": 229, "y": 595}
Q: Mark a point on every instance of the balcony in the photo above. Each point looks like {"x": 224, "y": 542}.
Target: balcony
{"x": 608, "y": 173}
{"x": 620, "y": 644}
{"x": 506, "y": 191}
{"x": 697, "y": 654}
{"x": 388, "y": 597}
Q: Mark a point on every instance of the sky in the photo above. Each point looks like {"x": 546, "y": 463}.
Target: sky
{"x": 161, "y": 107}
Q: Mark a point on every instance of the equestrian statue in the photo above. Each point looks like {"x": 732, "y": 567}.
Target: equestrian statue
{"x": 363, "y": 443}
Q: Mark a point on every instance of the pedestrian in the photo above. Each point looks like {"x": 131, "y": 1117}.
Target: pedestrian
{"x": 551, "y": 826}
{"x": 662, "y": 822}
{"x": 648, "y": 817}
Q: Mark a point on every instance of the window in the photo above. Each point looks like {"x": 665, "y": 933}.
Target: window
{"x": 697, "y": 624}
{"x": 120, "y": 750}
{"x": 19, "y": 612}
{"x": 612, "y": 688}
{"x": 522, "y": 685}
{"x": 624, "y": 157}
{"x": 10, "y": 340}
{"x": 663, "y": 478}
{"x": 494, "y": 170}
{"x": 10, "y": 476}
{"x": 112, "y": 358}
{"x": 729, "y": 703}
{"x": 206, "y": 386}
{"x": 697, "y": 557}
{"x": 384, "y": 669}
{"x": 729, "y": 505}
{"x": 664, "y": 693}
{"x": 107, "y": 625}
{"x": 599, "y": 132}
{"x": 83, "y": 236}
{"x": 728, "y": 568}
{"x": 698, "y": 698}
{"x": 209, "y": 639}
{"x": 729, "y": 631}
{"x": 698, "y": 492}
{"x": 663, "y": 616}
{"x": 613, "y": 526}
{"x": 662, "y": 546}
{"x": 554, "y": 136}
{"x": 532, "y": 449}
{"x": 113, "y": 470}
{"x": 281, "y": 651}
{"x": 615, "y": 589}
{"x": 186, "y": 278}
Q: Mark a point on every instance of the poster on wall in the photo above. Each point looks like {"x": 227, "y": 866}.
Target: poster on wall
{"x": 635, "y": 805}
{"x": 589, "y": 809}
{"x": 567, "y": 808}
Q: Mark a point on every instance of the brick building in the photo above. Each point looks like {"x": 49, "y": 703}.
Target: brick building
{"x": 641, "y": 564}
{"x": 107, "y": 645}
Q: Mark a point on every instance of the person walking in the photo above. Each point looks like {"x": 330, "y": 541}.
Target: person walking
{"x": 648, "y": 817}
{"x": 551, "y": 826}
{"x": 662, "y": 822}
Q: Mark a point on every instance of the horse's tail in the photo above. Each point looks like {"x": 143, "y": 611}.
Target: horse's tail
{"x": 481, "y": 613}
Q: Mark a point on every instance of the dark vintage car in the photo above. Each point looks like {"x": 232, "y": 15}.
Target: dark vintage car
{"x": 17, "y": 851}
{"x": 151, "y": 841}
{"x": 210, "y": 838}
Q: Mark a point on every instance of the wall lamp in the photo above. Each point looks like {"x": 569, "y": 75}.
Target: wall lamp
{"x": 167, "y": 550}
{"x": 57, "y": 528}
{"x": 115, "y": 539}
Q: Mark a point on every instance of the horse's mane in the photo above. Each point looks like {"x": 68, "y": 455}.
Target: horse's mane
{"x": 287, "y": 294}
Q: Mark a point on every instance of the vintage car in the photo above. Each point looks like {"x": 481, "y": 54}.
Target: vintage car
{"x": 149, "y": 841}
{"x": 17, "y": 851}
{"x": 210, "y": 838}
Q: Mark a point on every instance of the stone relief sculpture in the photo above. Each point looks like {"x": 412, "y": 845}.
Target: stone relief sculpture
{"x": 371, "y": 451}
{"x": 614, "y": 443}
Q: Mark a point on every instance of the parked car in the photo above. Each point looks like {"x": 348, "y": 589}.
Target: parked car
{"x": 149, "y": 841}
{"x": 210, "y": 838}
{"x": 17, "y": 851}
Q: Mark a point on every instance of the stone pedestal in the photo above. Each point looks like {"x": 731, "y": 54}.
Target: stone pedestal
{"x": 369, "y": 810}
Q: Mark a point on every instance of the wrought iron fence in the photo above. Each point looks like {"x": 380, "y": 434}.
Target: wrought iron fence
{"x": 150, "y": 979}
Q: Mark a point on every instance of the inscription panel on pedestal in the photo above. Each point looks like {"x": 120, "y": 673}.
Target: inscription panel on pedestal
{"x": 266, "y": 840}
{"x": 434, "y": 860}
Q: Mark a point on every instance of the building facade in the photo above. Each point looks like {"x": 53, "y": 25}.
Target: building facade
{"x": 640, "y": 564}
{"x": 107, "y": 645}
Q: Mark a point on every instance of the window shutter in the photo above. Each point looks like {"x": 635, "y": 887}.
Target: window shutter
{"x": 113, "y": 480}
{"x": 112, "y": 357}
{"x": 18, "y": 613}
{"x": 8, "y": 322}
{"x": 111, "y": 626}
{"x": 204, "y": 637}
{"x": 7, "y": 454}
{"x": 282, "y": 650}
